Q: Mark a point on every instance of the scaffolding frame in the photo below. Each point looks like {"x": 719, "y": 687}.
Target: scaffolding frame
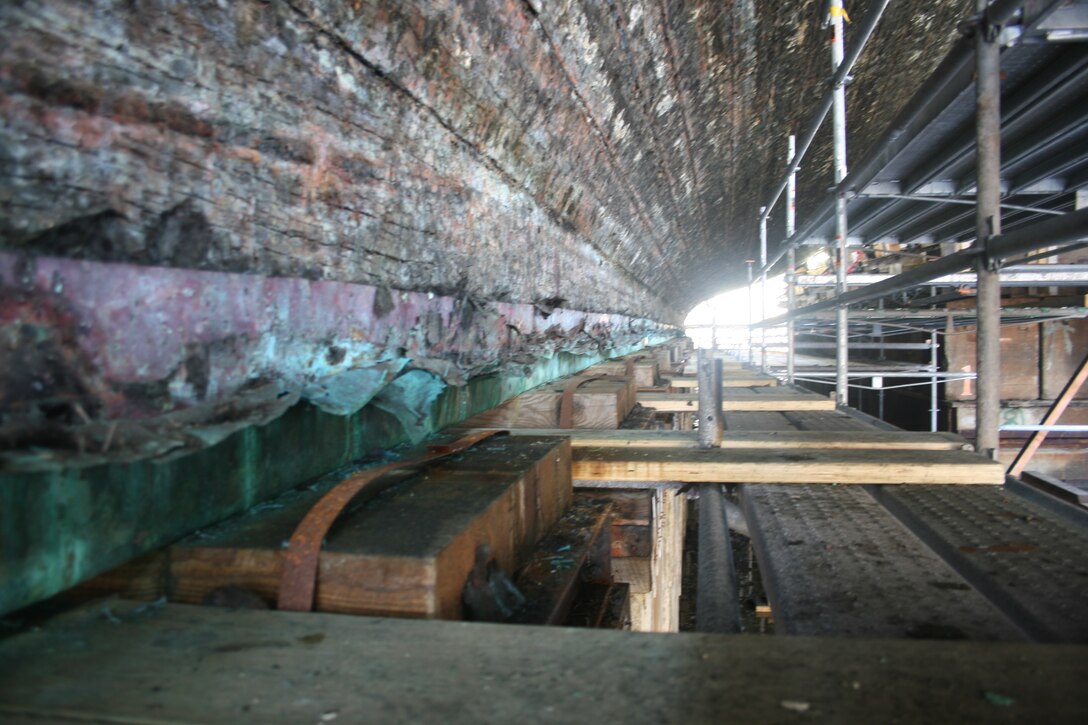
{"x": 976, "y": 64}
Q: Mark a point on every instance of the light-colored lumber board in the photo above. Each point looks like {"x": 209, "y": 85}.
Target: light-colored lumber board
{"x": 738, "y": 400}
{"x": 180, "y": 663}
{"x": 792, "y": 439}
{"x": 745, "y": 465}
{"x": 690, "y": 382}
{"x": 407, "y": 552}
{"x": 666, "y": 563}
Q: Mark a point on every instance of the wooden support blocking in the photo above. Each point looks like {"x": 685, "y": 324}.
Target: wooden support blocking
{"x": 647, "y": 551}
{"x": 658, "y": 610}
{"x": 723, "y": 465}
{"x": 601, "y": 403}
{"x": 406, "y": 552}
{"x": 642, "y": 370}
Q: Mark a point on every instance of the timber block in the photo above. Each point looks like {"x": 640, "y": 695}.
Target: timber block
{"x": 600, "y": 403}
{"x": 644, "y": 370}
{"x": 406, "y": 551}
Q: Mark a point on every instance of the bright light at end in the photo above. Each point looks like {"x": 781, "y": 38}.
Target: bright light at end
{"x": 723, "y": 321}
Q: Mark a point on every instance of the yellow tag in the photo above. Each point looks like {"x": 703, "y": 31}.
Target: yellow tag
{"x": 838, "y": 10}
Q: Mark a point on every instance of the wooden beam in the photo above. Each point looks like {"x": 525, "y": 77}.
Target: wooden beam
{"x": 178, "y": 663}
{"x": 720, "y": 465}
{"x": 688, "y": 382}
{"x": 794, "y": 439}
{"x": 739, "y": 400}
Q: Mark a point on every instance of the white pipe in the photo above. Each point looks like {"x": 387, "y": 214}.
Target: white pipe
{"x": 838, "y": 108}
{"x": 791, "y": 257}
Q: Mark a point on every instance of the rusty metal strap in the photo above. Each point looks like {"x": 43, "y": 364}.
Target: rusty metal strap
{"x": 566, "y": 401}
{"x": 299, "y": 579}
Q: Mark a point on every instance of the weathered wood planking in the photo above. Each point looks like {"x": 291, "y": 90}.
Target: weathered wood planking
{"x": 179, "y": 663}
{"x": 822, "y": 439}
{"x": 694, "y": 465}
{"x": 776, "y": 399}
{"x": 600, "y": 403}
{"x": 405, "y": 552}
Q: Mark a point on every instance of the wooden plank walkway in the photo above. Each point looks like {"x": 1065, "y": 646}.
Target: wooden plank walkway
{"x": 128, "y": 662}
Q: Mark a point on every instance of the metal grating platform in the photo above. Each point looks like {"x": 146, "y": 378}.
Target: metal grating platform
{"x": 838, "y": 561}
{"x": 837, "y": 420}
{"x": 1030, "y": 562}
{"x": 755, "y": 421}
{"x": 834, "y": 562}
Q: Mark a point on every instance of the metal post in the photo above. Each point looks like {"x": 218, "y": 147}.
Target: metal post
{"x": 710, "y": 393}
{"x": 841, "y": 231}
{"x": 988, "y": 224}
{"x": 791, "y": 258}
{"x": 762, "y": 291}
{"x": 933, "y": 402}
{"x": 749, "y": 262}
